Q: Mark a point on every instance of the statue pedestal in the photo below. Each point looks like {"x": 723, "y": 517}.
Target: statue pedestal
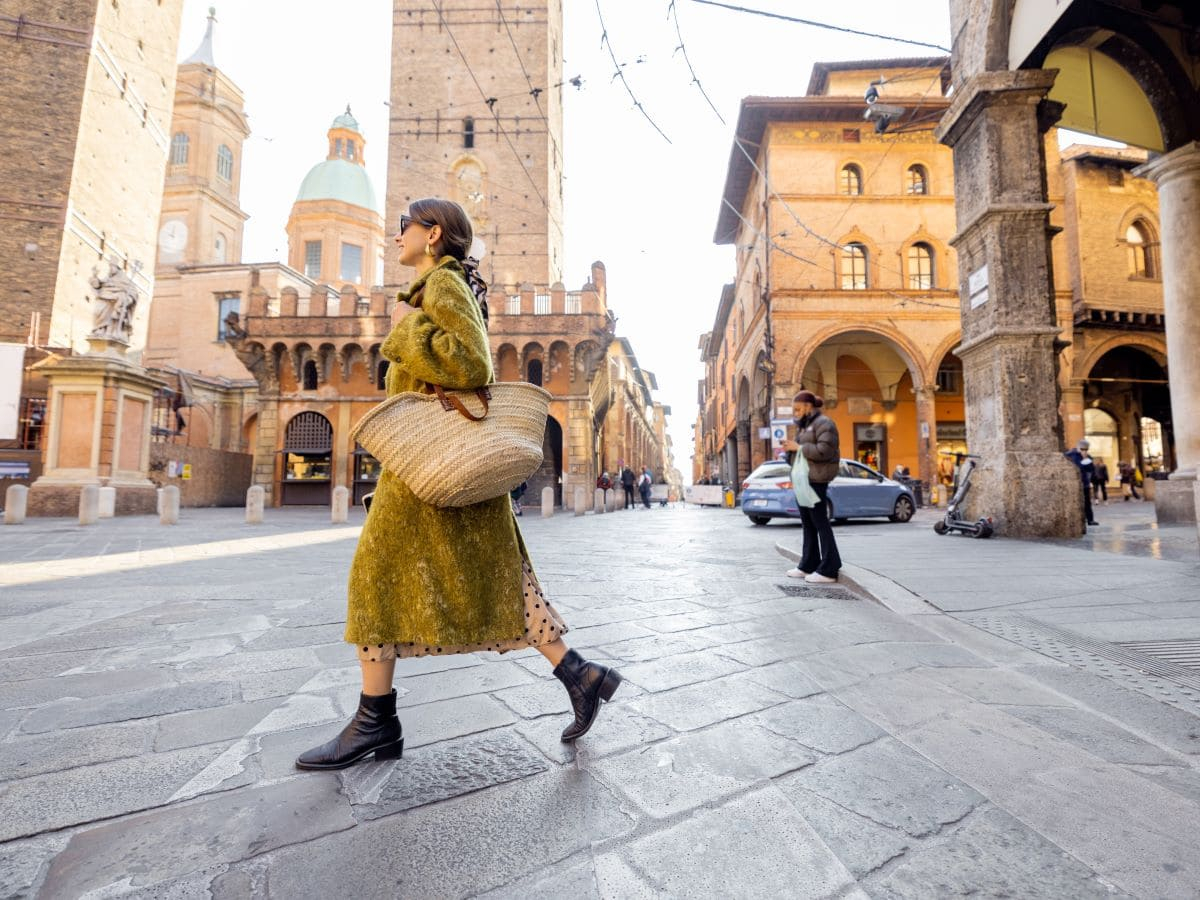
{"x": 97, "y": 431}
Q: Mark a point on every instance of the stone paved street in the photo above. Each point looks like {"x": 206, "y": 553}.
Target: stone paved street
{"x": 997, "y": 718}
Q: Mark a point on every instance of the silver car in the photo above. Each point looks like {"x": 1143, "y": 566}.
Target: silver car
{"x": 858, "y": 491}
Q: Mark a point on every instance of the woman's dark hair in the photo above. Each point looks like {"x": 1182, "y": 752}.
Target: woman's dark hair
{"x": 808, "y": 397}
{"x": 456, "y": 240}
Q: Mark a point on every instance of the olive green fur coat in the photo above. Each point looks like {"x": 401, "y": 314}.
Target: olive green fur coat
{"x": 437, "y": 577}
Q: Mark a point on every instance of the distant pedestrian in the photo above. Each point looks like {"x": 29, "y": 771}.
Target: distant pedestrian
{"x": 1079, "y": 455}
{"x": 644, "y": 483}
{"x": 1129, "y": 484}
{"x": 1099, "y": 480}
{"x": 604, "y": 482}
{"x": 628, "y": 480}
{"x": 432, "y": 581}
{"x": 817, "y": 441}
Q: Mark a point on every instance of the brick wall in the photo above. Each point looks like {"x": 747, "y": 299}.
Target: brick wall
{"x": 219, "y": 478}
{"x": 41, "y": 95}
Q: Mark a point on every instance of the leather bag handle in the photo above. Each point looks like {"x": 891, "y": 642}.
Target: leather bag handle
{"x": 450, "y": 402}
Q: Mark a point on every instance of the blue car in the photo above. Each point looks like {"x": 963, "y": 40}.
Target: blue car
{"x": 858, "y": 491}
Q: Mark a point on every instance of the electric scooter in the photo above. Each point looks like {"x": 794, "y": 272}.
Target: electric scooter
{"x": 954, "y": 521}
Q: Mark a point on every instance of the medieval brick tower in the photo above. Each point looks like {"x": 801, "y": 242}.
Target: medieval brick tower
{"x": 476, "y": 116}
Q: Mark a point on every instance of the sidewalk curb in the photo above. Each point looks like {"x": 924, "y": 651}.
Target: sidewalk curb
{"x": 874, "y": 586}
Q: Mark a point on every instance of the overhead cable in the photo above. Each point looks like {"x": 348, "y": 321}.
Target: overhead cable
{"x": 619, "y": 74}
{"x": 825, "y": 25}
{"x": 674, "y": 14}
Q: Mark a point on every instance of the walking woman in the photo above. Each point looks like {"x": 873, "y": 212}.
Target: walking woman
{"x": 817, "y": 440}
{"x": 432, "y": 581}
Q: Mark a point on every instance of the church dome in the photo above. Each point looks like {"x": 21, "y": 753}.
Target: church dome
{"x": 345, "y": 120}
{"x": 339, "y": 179}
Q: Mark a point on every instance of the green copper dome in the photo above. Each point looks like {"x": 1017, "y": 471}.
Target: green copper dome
{"x": 338, "y": 179}
{"x": 345, "y": 120}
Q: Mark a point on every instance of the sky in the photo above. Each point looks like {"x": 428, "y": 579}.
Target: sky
{"x": 645, "y": 207}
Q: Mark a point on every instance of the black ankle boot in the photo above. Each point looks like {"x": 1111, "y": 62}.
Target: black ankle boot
{"x": 588, "y": 683}
{"x": 374, "y": 729}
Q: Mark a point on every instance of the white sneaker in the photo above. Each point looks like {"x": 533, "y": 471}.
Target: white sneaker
{"x": 797, "y": 573}
{"x": 818, "y": 578}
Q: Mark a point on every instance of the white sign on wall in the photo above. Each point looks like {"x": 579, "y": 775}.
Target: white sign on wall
{"x": 977, "y": 286}
{"x": 12, "y": 361}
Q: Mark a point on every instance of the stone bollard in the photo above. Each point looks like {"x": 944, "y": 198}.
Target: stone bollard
{"x": 158, "y": 502}
{"x": 547, "y": 502}
{"x": 256, "y": 498}
{"x": 340, "y": 510}
{"x": 610, "y": 500}
{"x": 89, "y": 504}
{"x": 598, "y": 500}
{"x": 170, "y": 506}
{"x": 108, "y": 502}
{"x": 16, "y": 502}
{"x": 580, "y": 501}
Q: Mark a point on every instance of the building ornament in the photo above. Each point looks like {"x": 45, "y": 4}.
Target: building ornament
{"x": 118, "y": 297}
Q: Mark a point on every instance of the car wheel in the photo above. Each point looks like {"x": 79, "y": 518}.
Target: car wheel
{"x": 903, "y": 511}
{"x": 833, "y": 519}
{"x": 760, "y": 520}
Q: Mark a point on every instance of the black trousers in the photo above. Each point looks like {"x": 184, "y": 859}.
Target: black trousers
{"x": 1099, "y": 491}
{"x": 646, "y": 497}
{"x": 820, "y": 549}
{"x": 1088, "y": 517}
{"x": 629, "y": 501}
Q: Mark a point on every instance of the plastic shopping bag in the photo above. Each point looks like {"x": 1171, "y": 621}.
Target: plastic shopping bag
{"x": 805, "y": 495}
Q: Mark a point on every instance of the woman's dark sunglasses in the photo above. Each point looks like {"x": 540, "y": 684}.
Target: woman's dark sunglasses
{"x": 407, "y": 220}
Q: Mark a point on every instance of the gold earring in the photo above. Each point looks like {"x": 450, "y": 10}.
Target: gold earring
{"x": 429, "y": 250}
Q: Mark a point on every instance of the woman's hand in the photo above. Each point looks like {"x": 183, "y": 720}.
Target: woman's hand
{"x": 790, "y": 446}
{"x": 400, "y": 310}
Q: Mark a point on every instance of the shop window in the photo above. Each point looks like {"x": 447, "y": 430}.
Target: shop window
{"x": 308, "y": 444}
{"x": 917, "y": 180}
{"x": 854, "y": 267}
{"x": 920, "y": 267}
{"x": 851, "y": 183}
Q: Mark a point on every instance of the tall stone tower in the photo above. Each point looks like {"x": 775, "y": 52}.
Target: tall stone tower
{"x": 201, "y": 220}
{"x": 476, "y": 116}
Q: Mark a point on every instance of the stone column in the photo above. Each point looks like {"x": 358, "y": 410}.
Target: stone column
{"x": 927, "y": 462}
{"x": 1177, "y": 175}
{"x": 1072, "y": 413}
{"x": 1009, "y": 349}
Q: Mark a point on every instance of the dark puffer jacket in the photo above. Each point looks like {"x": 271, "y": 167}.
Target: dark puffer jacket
{"x": 818, "y": 440}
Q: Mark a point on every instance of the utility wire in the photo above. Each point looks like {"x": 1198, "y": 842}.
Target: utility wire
{"x": 492, "y": 106}
{"x": 674, "y": 14}
{"x": 825, "y": 25}
{"x": 534, "y": 92}
{"x": 619, "y": 74}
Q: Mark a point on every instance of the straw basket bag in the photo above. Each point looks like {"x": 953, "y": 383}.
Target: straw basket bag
{"x": 450, "y": 456}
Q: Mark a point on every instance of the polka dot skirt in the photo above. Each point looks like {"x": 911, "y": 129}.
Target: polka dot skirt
{"x": 543, "y": 625}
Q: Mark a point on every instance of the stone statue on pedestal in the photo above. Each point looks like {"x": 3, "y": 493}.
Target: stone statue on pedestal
{"x": 118, "y": 297}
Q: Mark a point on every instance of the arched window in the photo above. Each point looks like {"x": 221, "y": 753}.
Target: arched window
{"x": 310, "y": 376}
{"x": 468, "y": 132}
{"x": 351, "y": 150}
{"x": 337, "y": 147}
{"x": 1140, "y": 241}
{"x": 179, "y": 149}
{"x": 381, "y": 376}
{"x": 917, "y": 180}
{"x": 852, "y": 180}
{"x": 854, "y": 267}
{"x": 920, "y": 267}
{"x": 535, "y": 372}
{"x": 225, "y": 163}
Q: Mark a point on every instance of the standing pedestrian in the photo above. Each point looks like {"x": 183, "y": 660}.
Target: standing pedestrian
{"x": 1125, "y": 476}
{"x": 644, "y": 483}
{"x": 817, "y": 441}
{"x": 1079, "y": 455}
{"x": 627, "y": 482}
{"x": 433, "y": 581}
{"x": 1099, "y": 480}
{"x": 604, "y": 482}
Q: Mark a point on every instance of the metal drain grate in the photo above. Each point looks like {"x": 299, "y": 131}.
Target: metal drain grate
{"x": 1184, "y": 653}
{"x": 824, "y": 592}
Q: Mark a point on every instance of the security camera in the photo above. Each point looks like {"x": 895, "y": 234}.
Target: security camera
{"x": 872, "y": 93}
